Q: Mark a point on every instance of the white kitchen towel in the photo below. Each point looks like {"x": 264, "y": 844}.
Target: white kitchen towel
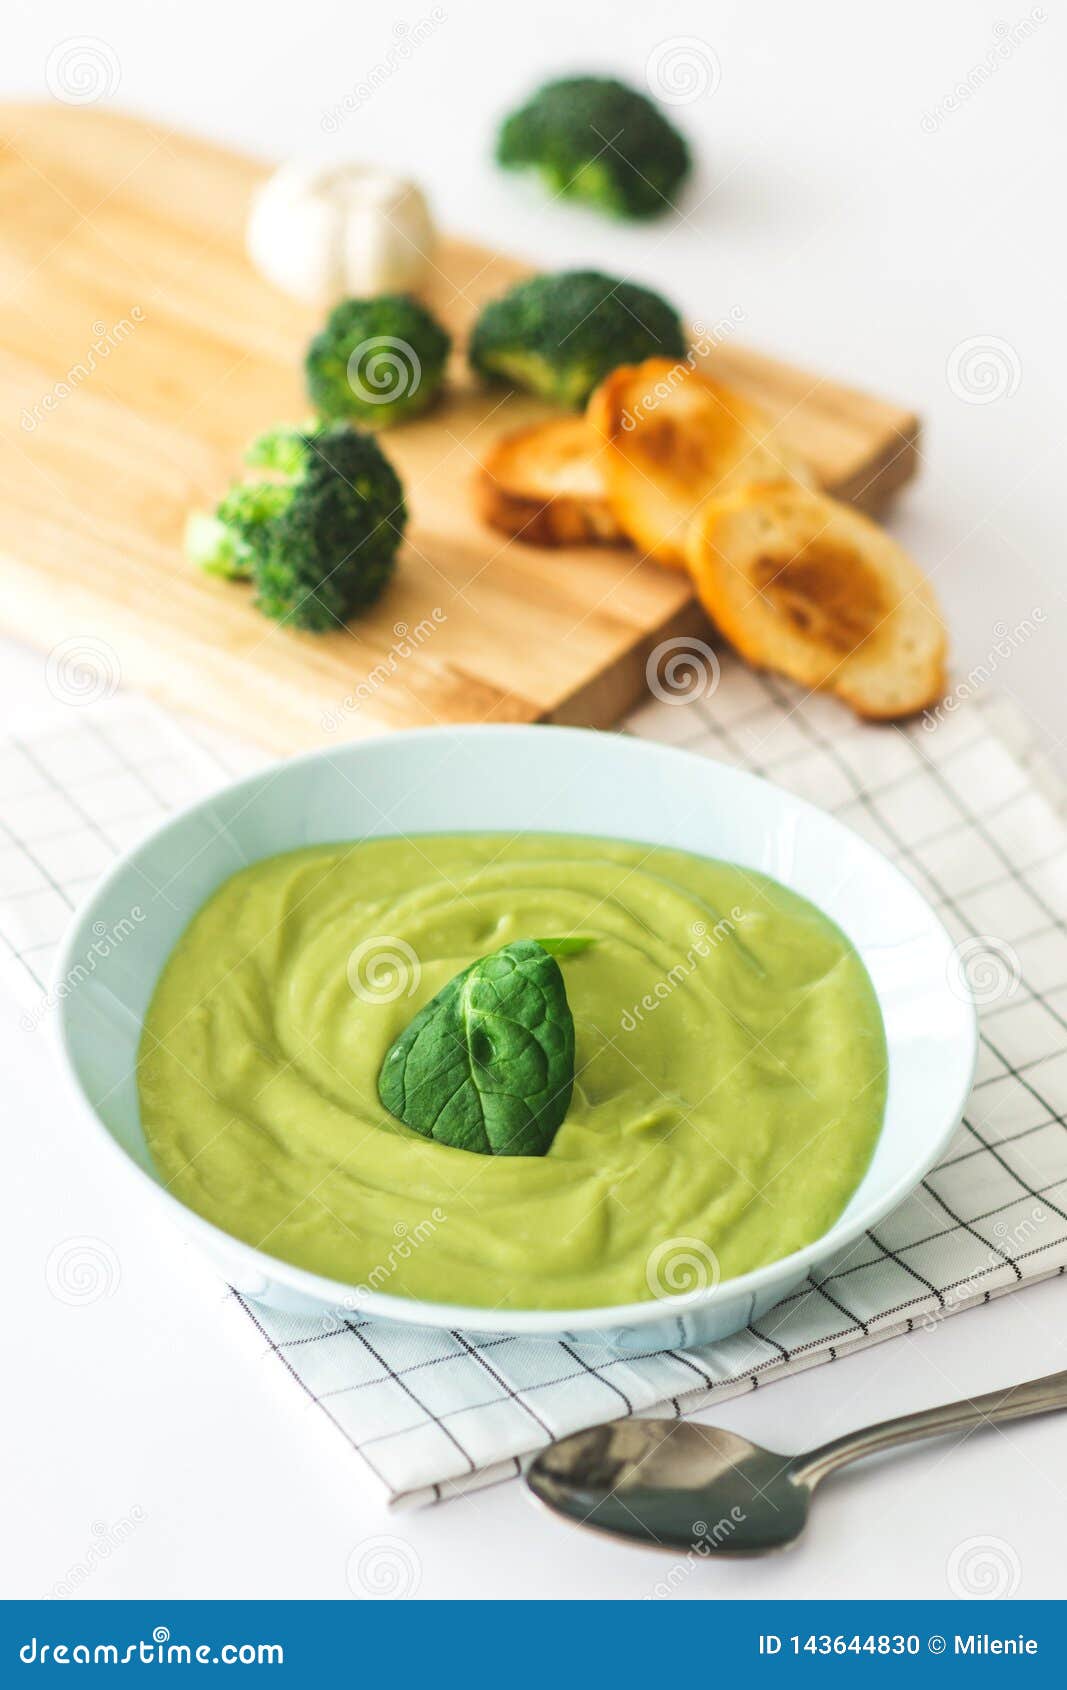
{"x": 954, "y": 802}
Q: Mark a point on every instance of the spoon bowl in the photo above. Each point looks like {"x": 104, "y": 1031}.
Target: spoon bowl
{"x": 675, "y": 1484}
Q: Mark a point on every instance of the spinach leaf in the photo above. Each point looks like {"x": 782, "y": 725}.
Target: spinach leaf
{"x": 572, "y": 944}
{"x": 488, "y": 1064}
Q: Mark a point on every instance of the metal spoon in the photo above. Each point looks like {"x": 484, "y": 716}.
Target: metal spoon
{"x": 680, "y": 1485}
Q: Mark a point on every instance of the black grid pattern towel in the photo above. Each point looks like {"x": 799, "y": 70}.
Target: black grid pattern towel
{"x": 964, "y": 812}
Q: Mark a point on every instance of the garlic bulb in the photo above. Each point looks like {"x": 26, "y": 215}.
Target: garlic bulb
{"x": 323, "y": 232}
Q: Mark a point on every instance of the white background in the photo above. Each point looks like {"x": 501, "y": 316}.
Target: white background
{"x": 868, "y": 220}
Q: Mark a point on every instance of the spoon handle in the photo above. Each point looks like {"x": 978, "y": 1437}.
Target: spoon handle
{"x": 1035, "y": 1396}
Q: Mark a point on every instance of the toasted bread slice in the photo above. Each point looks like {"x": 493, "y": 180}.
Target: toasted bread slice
{"x": 808, "y": 586}
{"x": 544, "y": 485}
{"x": 674, "y": 439}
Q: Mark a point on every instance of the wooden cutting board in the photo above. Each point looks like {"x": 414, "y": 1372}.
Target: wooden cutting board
{"x": 139, "y": 352}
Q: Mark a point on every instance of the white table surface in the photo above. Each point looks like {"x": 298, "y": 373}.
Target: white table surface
{"x": 865, "y": 229}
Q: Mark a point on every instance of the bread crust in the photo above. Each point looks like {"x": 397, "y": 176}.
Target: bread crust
{"x": 675, "y": 438}
{"x": 543, "y": 485}
{"x": 804, "y": 585}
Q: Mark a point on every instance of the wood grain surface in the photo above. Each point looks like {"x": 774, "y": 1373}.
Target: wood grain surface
{"x": 139, "y": 352}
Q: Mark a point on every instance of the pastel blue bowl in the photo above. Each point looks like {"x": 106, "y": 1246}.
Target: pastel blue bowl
{"x": 523, "y": 779}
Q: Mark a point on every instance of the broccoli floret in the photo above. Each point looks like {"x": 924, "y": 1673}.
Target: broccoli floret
{"x": 378, "y": 360}
{"x": 320, "y": 541}
{"x": 282, "y": 449}
{"x": 222, "y": 544}
{"x": 216, "y": 547}
{"x": 593, "y": 139}
{"x": 560, "y": 335}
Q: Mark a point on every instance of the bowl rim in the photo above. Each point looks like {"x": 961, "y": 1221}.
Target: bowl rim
{"x": 336, "y": 1294}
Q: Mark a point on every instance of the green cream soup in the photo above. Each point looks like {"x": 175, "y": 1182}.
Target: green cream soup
{"x": 730, "y": 1069}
